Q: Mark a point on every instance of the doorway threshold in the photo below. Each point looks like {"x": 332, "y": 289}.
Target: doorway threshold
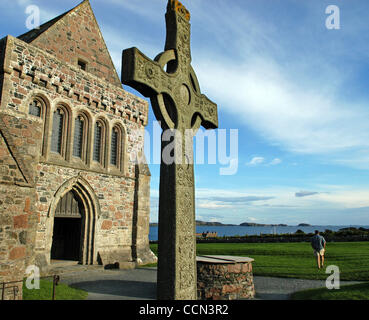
{"x": 59, "y": 267}
{"x": 63, "y": 263}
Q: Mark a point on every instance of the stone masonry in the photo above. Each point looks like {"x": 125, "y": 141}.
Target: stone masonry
{"x": 66, "y": 63}
{"x": 225, "y": 278}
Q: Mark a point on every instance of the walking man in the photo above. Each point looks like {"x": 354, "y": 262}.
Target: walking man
{"x": 318, "y": 243}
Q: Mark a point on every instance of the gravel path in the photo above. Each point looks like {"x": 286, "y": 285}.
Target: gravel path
{"x": 140, "y": 284}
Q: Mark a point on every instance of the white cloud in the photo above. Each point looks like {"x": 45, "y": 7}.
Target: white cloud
{"x": 287, "y": 90}
{"x": 293, "y": 93}
{"x": 261, "y": 160}
{"x": 303, "y": 194}
{"x": 282, "y": 197}
{"x": 213, "y": 205}
{"x": 275, "y": 162}
{"x": 223, "y": 202}
{"x": 348, "y": 199}
{"x": 252, "y": 219}
{"x": 256, "y": 161}
{"x": 299, "y": 119}
{"x": 332, "y": 206}
{"x": 241, "y": 199}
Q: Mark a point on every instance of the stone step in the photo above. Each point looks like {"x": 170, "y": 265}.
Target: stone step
{"x": 63, "y": 263}
{"x": 66, "y": 267}
{"x": 58, "y": 269}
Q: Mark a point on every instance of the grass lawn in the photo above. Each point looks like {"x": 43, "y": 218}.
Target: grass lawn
{"x": 296, "y": 260}
{"x": 150, "y": 265}
{"x": 63, "y": 292}
{"x": 353, "y": 292}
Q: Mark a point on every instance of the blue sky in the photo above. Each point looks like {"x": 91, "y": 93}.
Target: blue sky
{"x": 296, "y": 91}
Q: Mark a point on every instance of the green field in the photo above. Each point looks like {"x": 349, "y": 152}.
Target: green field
{"x": 288, "y": 260}
{"x": 353, "y": 292}
{"x": 296, "y": 260}
{"x": 62, "y": 292}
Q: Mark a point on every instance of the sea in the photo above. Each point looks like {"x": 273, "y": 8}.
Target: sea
{"x": 241, "y": 231}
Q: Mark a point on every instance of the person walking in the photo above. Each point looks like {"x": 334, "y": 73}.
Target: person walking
{"x": 318, "y": 243}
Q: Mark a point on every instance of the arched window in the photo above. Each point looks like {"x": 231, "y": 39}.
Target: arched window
{"x": 98, "y": 151}
{"x": 116, "y": 136}
{"x": 79, "y": 137}
{"x": 58, "y": 138}
{"x": 36, "y": 108}
{"x": 39, "y": 108}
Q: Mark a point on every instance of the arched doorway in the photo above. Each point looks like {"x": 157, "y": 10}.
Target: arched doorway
{"x": 68, "y": 231}
{"x": 76, "y": 202}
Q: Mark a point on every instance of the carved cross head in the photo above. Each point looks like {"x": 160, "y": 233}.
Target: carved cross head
{"x": 170, "y": 81}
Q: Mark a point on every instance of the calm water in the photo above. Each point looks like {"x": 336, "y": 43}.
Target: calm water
{"x": 241, "y": 231}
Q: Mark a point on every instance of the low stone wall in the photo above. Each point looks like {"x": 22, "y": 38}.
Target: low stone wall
{"x": 224, "y": 278}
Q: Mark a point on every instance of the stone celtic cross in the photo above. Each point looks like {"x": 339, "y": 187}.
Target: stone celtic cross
{"x": 172, "y": 86}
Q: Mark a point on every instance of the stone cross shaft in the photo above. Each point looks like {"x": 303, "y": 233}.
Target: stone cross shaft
{"x": 172, "y": 86}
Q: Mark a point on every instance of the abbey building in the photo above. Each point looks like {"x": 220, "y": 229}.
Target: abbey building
{"x": 69, "y": 186}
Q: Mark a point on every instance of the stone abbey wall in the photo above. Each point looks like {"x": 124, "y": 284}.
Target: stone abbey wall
{"x": 76, "y": 35}
{"x": 18, "y": 221}
{"x": 33, "y": 179}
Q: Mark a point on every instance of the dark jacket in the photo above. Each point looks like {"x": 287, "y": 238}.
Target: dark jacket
{"x": 318, "y": 242}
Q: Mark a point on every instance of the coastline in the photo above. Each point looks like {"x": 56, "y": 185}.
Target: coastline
{"x": 248, "y": 233}
{"x": 244, "y": 224}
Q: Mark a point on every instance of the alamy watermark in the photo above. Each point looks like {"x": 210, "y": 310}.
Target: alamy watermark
{"x": 333, "y": 281}
{"x": 189, "y": 147}
{"x": 33, "y": 19}
{"x": 333, "y": 21}
{"x": 33, "y": 278}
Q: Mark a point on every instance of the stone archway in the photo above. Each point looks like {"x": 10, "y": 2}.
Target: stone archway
{"x": 83, "y": 196}
{"x": 68, "y": 231}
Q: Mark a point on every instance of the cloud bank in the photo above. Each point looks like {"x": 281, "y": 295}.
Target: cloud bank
{"x": 303, "y": 194}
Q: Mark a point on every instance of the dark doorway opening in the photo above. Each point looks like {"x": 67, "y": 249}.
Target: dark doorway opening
{"x": 68, "y": 225}
{"x": 66, "y": 239}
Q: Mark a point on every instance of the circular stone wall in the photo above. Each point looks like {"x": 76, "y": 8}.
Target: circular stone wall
{"x": 224, "y": 278}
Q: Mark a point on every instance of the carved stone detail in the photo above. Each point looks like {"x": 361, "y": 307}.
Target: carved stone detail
{"x": 176, "y": 277}
{"x": 184, "y": 176}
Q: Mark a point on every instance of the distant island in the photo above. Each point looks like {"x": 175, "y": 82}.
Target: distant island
{"x": 204, "y": 224}
{"x": 214, "y": 224}
{"x": 251, "y": 224}
{"x": 245, "y": 224}
{"x": 304, "y": 225}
